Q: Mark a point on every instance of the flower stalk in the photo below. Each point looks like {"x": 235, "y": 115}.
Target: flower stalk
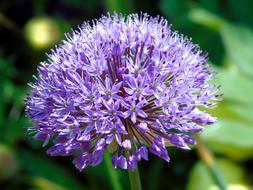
{"x": 112, "y": 172}
{"x": 208, "y": 159}
{"x": 134, "y": 179}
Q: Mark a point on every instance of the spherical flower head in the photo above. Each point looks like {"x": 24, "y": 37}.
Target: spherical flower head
{"x": 125, "y": 84}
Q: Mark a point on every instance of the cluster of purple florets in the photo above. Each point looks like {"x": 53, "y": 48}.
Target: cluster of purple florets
{"x": 125, "y": 84}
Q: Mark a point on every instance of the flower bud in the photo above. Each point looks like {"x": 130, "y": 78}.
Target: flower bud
{"x": 41, "y": 33}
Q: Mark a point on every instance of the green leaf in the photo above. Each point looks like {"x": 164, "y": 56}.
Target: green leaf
{"x": 232, "y": 173}
{"x": 44, "y": 184}
{"x": 232, "y": 138}
{"x": 238, "y": 41}
{"x": 233, "y": 111}
{"x": 232, "y": 134}
{"x": 235, "y": 86}
{"x": 42, "y": 166}
{"x": 206, "y": 18}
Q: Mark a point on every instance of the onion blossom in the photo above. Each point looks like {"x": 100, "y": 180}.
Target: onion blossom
{"x": 124, "y": 84}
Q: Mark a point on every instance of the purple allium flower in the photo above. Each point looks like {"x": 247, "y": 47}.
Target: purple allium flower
{"x": 127, "y": 84}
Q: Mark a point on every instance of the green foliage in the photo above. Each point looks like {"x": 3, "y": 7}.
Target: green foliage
{"x": 232, "y": 138}
{"x": 203, "y": 17}
{"x": 235, "y": 86}
{"x": 232, "y": 173}
{"x": 232, "y": 135}
{"x": 222, "y": 28}
{"x": 8, "y": 163}
{"x": 44, "y": 167}
{"x": 238, "y": 42}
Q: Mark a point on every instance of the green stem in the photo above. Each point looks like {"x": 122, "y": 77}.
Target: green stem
{"x": 217, "y": 176}
{"x": 112, "y": 172}
{"x": 207, "y": 157}
{"x": 134, "y": 179}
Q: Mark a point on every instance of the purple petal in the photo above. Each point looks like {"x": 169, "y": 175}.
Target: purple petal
{"x": 130, "y": 91}
{"x": 97, "y": 157}
{"x": 122, "y": 162}
{"x": 143, "y": 127}
{"x": 132, "y": 162}
{"x": 109, "y": 138}
{"x": 179, "y": 141}
{"x": 43, "y": 136}
{"x": 118, "y": 138}
{"x": 82, "y": 161}
{"x": 158, "y": 148}
{"x": 116, "y": 87}
{"x": 108, "y": 83}
{"x": 127, "y": 144}
{"x": 116, "y": 50}
{"x": 143, "y": 151}
{"x": 115, "y": 161}
{"x": 133, "y": 117}
{"x": 161, "y": 152}
{"x": 142, "y": 113}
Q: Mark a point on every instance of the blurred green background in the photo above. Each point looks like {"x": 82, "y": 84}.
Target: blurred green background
{"x": 29, "y": 28}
